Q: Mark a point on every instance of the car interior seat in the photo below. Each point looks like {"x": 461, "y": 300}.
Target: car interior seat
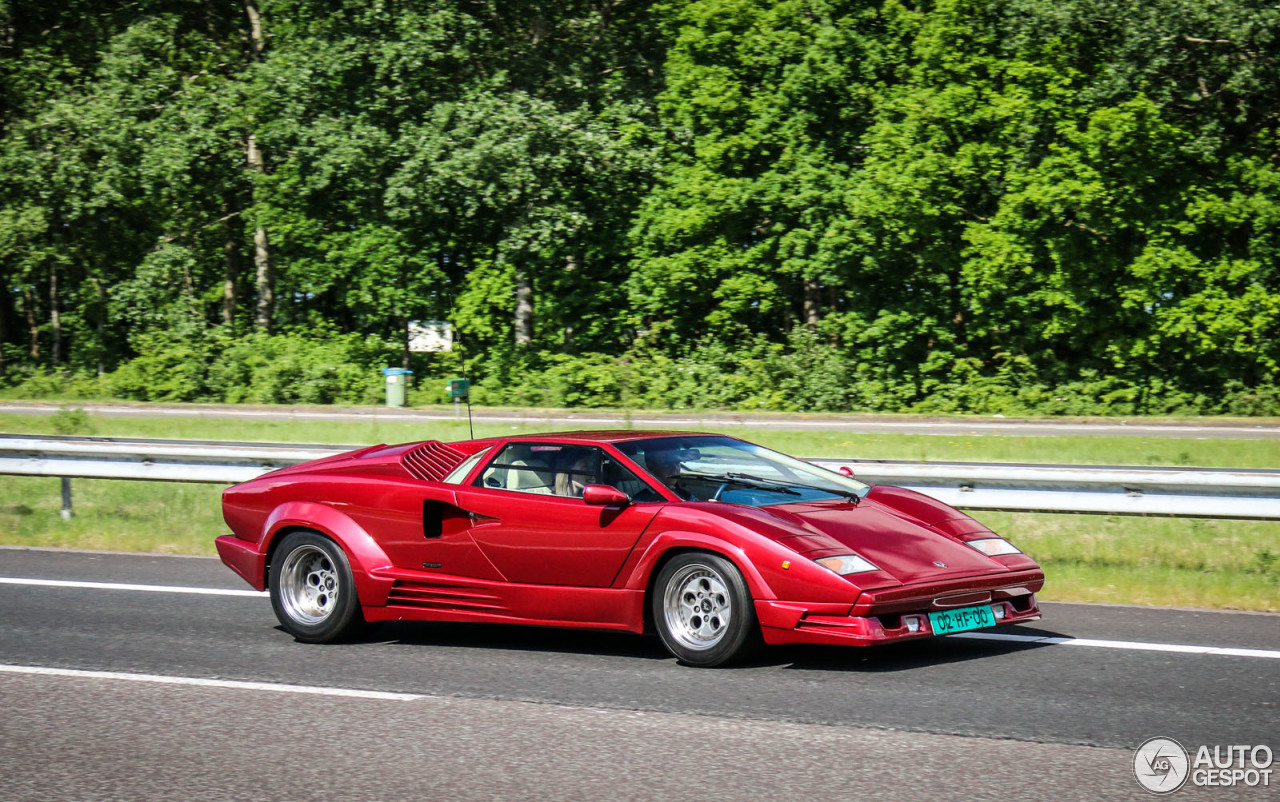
{"x": 577, "y": 475}
{"x": 530, "y": 476}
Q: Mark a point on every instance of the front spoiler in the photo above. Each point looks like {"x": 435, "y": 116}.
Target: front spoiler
{"x": 787, "y": 622}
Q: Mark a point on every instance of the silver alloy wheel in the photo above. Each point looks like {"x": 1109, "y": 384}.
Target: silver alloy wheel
{"x": 697, "y": 607}
{"x": 309, "y": 585}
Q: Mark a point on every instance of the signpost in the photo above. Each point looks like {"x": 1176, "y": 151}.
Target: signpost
{"x": 430, "y": 336}
{"x": 460, "y": 390}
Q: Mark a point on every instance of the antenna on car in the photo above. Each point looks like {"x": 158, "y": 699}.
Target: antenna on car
{"x": 471, "y": 431}
{"x": 460, "y": 389}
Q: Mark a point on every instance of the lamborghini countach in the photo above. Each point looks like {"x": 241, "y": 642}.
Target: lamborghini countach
{"x": 714, "y": 544}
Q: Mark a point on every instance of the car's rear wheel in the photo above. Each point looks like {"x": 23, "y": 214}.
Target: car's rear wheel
{"x": 703, "y": 612}
{"x": 312, "y": 589}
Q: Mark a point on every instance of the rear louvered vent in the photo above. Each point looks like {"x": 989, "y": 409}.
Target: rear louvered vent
{"x": 432, "y": 460}
{"x": 443, "y": 597}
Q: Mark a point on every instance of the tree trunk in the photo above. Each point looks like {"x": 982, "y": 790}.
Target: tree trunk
{"x": 404, "y": 330}
{"x": 231, "y": 265}
{"x": 569, "y": 346}
{"x": 4, "y": 323}
{"x": 101, "y": 325}
{"x": 261, "y": 252}
{"x": 55, "y": 322}
{"x": 524, "y": 309}
{"x": 33, "y": 328}
{"x": 255, "y": 29}
{"x": 957, "y": 305}
{"x": 812, "y": 303}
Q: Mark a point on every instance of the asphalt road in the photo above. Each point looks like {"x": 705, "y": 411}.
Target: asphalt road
{"x": 504, "y": 712}
{"x": 686, "y": 420}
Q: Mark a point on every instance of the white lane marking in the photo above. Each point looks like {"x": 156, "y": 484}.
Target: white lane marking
{"x": 1044, "y": 640}
{"x": 66, "y": 583}
{"x": 212, "y": 683}
{"x": 1048, "y": 640}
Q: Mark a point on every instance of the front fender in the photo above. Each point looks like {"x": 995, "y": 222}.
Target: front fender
{"x": 772, "y": 571}
{"x": 363, "y": 552}
{"x": 638, "y": 578}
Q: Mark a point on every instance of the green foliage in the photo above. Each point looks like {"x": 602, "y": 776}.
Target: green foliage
{"x": 998, "y": 206}
{"x": 164, "y": 370}
{"x": 71, "y": 421}
{"x": 255, "y": 368}
{"x": 282, "y": 369}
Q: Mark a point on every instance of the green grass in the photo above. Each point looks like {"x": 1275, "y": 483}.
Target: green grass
{"x": 1165, "y": 561}
{"x": 161, "y": 517}
{"x": 1179, "y": 562}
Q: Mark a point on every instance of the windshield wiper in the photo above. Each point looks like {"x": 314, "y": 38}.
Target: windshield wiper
{"x": 781, "y": 484}
{"x": 744, "y": 479}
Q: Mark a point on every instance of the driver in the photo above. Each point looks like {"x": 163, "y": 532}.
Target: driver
{"x": 665, "y": 466}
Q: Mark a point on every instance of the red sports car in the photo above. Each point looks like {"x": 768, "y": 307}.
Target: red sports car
{"x": 714, "y": 543}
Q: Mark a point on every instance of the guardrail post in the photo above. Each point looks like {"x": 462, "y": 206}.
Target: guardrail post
{"x": 66, "y": 498}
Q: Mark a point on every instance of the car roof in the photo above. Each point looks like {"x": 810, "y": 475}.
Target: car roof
{"x": 602, "y": 436}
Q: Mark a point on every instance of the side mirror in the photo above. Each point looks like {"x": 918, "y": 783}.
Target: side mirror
{"x": 605, "y": 496}
{"x": 846, "y": 471}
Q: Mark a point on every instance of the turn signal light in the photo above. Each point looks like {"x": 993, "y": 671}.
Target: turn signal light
{"x": 846, "y": 564}
{"x": 993, "y": 546}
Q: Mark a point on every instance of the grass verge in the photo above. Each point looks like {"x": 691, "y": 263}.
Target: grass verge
{"x": 1178, "y": 562}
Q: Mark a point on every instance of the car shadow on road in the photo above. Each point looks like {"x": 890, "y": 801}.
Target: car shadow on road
{"x": 504, "y": 637}
{"x": 902, "y": 656}
{"x": 876, "y": 659}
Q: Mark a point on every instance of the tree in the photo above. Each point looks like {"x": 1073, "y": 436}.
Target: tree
{"x": 764, "y": 108}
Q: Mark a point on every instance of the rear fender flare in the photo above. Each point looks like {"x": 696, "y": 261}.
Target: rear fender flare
{"x": 363, "y": 552}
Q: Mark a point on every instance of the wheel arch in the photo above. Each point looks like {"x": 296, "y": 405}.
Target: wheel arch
{"x": 670, "y": 544}
{"x": 362, "y": 551}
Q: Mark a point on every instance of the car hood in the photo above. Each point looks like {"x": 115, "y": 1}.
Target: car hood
{"x": 905, "y": 549}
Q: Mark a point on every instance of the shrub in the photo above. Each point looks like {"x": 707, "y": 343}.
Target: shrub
{"x": 164, "y": 370}
{"x": 293, "y": 369}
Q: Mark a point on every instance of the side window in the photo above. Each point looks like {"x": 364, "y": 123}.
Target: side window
{"x": 551, "y": 469}
{"x": 459, "y": 473}
{"x": 611, "y": 473}
{"x": 523, "y": 467}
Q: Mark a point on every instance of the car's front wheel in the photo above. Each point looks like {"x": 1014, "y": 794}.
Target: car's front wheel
{"x": 703, "y": 612}
{"x": 312, "y": 589}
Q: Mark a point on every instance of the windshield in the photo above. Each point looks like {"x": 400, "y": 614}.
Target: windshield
{"x": 711, "y": 468}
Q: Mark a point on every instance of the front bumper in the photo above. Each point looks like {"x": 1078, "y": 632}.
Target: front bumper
{"x": 899, "y": 620}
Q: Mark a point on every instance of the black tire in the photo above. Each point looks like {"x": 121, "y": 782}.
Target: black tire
{"x": 312, "y": 590}
{"x": 703, "y": 611}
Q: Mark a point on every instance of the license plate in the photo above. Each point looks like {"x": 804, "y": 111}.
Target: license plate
{"x": 963, "y": 619}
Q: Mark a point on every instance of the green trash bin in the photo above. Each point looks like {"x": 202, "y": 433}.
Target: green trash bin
{"x": 397, "y": 385}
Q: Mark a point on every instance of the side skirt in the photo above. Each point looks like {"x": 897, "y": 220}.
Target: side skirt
{"x": 426, "y": 596}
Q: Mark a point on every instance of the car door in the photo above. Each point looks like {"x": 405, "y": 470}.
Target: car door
{"x": 528, "y": 519}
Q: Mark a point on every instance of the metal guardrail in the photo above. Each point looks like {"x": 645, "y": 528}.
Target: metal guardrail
{"x": 1113, "y": 490}
{"x": 1109, "y": 490}
{"x": 156, "y": 460}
